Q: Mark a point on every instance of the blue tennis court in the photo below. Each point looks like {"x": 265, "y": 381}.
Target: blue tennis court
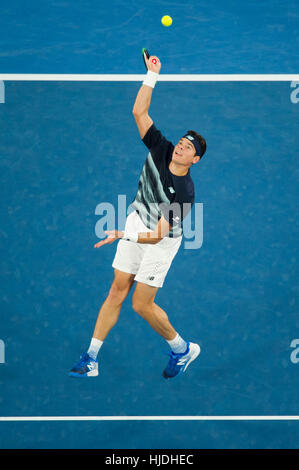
{"x": 69, "y": 147}
{"x": 107, "y": 37}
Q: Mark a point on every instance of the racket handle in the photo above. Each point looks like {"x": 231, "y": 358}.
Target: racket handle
{"x": 145, "y": 51}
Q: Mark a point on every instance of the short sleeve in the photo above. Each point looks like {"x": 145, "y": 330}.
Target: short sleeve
{"x": 154, "y": 138}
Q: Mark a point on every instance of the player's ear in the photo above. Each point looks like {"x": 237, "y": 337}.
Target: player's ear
{"x": 196, "y": 159}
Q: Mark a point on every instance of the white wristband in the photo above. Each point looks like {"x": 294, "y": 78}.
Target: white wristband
{"x": 130, "y": 236}
{"x": 150, "y": 79}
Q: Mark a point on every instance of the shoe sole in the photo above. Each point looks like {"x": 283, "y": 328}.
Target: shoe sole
{"x": 84, "y": 376}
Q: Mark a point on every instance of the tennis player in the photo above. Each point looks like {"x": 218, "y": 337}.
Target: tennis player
{"x": 152, "y": 235}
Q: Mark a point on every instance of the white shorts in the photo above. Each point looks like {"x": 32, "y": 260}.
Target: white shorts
{"x": 149, "y": 263}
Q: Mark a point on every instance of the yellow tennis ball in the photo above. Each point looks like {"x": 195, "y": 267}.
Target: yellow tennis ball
{"x": 166, "y": 20}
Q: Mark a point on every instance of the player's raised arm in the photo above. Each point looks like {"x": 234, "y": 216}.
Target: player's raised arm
{"x": 143, "y": 99}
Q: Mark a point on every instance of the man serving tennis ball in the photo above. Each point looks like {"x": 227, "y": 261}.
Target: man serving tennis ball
{"x": 152, "y": 235}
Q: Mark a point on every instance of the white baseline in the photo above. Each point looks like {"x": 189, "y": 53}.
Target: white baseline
{"x": 149, "y": 418}
{"x": 140, "y": 77}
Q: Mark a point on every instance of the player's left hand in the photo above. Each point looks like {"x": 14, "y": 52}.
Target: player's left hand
{"x": 112, "y": 236}
{"x": 153, "y": 63}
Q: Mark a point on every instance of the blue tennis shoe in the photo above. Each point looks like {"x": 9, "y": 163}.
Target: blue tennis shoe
{"x": 178, "y": 363}
{"x": 86, "y": 367}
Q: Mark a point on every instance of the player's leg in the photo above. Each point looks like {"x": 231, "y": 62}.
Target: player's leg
{"x": 182, "y": 352}
{"x": 109, "y": 312}
{"x": 144, "y": 305}
{"x": 126, "y": 264}
{"x": 149, "y": 277}
{"x": 107, "y": 317}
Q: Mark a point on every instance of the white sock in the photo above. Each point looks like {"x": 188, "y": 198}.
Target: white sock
{"x": 94, "y": 348}
{"x": 178, "y": 345}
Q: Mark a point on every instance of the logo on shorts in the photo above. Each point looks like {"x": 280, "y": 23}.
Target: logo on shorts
{"x": 151, "y": 278}
{"x": 171, "y": 190}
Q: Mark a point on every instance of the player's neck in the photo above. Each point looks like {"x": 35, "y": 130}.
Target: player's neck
{"x": 178, "y": 170}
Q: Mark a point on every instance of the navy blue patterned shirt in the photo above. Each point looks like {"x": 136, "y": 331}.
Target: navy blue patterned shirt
{"x": 160, "y": 192}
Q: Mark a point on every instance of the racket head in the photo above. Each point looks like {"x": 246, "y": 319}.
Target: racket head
{"x": 145, "y": 51}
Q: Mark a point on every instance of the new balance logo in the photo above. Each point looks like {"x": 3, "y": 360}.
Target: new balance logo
{"x": 151, "y": 278}
{"x": 171, "y": 190}
{"x": 89, "y": 366}
{"x": 176, "y": 219}
{"x": 181, "y": 362}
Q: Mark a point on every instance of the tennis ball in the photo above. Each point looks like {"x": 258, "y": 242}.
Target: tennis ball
{"x": 166, "y": 20}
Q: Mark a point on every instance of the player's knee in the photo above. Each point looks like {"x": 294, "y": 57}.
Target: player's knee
{"x": 139, "y": 306}
{"x": 117, "y": 294}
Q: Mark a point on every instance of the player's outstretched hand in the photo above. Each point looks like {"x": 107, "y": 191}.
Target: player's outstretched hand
{"x": 112, "y": 236}
{"x": 153, "y": 63}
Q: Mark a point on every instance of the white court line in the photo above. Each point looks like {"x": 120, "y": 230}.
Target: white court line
{"x": 140, "y": 77}
{"x": 148, "y": 418}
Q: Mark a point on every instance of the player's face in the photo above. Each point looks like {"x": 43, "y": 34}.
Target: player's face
{"x": 184, "y": 152}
